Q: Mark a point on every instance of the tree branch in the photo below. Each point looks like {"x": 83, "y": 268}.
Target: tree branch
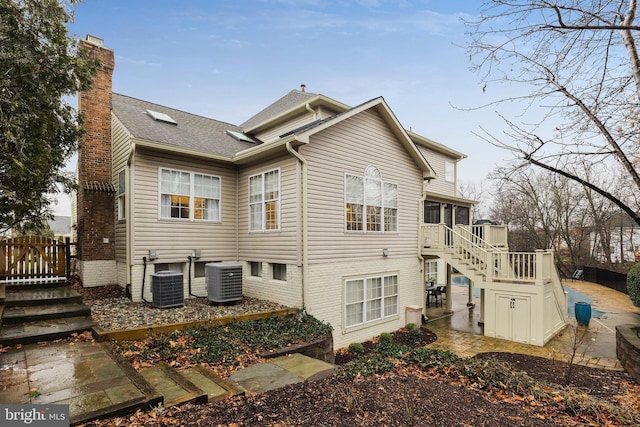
{"x": 587, "y": 184}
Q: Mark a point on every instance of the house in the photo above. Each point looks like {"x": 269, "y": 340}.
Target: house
{"x": 334, "y": 209}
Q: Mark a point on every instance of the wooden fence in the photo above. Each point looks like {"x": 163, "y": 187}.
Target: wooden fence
{"x": 34, "y": 257}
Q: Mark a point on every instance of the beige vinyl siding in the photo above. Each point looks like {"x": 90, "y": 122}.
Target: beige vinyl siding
{"x": 120, "y": 148}
{"x": 326, "y": 295}
{"x": 271, "y": 246}
{"x": 348, "y": 148}
{"x": 176, "y": 239}
{"x": 301, "y": 120}
{"x": 437, "y": 161}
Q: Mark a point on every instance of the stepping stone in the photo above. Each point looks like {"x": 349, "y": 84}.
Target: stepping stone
{"x": 175, "y": 388}
{"x": 214, "y": 386}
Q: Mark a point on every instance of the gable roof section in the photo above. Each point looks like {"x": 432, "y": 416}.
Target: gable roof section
{"x": 191, "y": 133}
{"x": 429, "y": 143}
{"x": 379, "y": 104}
{"x": 289, "y": 105}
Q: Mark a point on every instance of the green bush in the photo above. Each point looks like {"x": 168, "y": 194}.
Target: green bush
{"x": 386, "y": 337}
{"x": 411, "y": 327}
{"x": 364, "y": 366}
{"x": 633, "y": 284}
{"x": 416, "y": 334}
{"x": 356, "y": 348}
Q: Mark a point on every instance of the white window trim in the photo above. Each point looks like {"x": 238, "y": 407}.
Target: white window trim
{"x": 263, "y": 220}
{"x": 384, "y": 315}
{"x": 122, "y": 195}
{"x": 192, "y": 196}
{"x": 364, "y": 208}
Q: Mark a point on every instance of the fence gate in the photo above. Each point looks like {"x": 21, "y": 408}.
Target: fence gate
{"x": 33, "y": 257}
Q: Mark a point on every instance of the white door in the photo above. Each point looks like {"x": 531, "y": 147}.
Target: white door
{"x": 513, "y": 318}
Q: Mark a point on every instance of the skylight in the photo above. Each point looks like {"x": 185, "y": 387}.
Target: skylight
{"x": 240, "y": 136}
{"x": 162, "y": 117}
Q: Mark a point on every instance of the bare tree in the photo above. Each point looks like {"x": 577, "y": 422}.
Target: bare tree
{"x": 579, "y": 66}
{"x": 544, "y": 210}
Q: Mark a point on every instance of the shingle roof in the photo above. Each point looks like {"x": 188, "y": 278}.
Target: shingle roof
{"x": 192, "y": 132}
{"x": 287, "y": 102}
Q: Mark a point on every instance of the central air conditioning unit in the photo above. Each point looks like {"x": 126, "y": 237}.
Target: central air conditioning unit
{"x": 224, "y": 281}
{"x": 167, "y": 289}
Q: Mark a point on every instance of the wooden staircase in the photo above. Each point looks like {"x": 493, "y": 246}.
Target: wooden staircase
{"x": 482, "y": 255}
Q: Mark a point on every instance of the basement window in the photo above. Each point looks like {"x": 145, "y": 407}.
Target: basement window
{"x": 161, "y": 117}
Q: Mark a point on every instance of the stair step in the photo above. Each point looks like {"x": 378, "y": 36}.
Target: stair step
{"x": 175, "y": 388}
{"x": 38, "y": 296}
{"x": 44, "y": 330}
{"x": 215, "y": 387}
{"x": 30, "y": 313}
{"x": 3, "y": 293}
{"x": 38, "y": 284}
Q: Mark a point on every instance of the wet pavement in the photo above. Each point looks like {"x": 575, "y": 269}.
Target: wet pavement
{"x": 82, "y": 375}
{"x": 461, "y": 333}
{"x": 94, "y": 382}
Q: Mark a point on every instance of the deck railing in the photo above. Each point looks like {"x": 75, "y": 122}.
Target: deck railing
{"x": 490, "y": 260}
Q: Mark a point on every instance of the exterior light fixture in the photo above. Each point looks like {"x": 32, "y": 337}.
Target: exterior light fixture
{"x": 385, "y": 252}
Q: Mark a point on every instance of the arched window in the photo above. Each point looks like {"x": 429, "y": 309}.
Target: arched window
{"x": 371, "y": 204}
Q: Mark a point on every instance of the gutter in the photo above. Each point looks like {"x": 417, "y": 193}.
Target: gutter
{"x": 303, "y": 238}
{"x": 129, "y": 209}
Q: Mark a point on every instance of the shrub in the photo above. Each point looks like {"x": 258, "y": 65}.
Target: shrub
{"x": 356, "y": 348}
{"x": 411, "y": 327}
{"x": 364, "y": 366}
{"x": 386, "y": 337}
{"x": 426, "y": 358}
{"x": 416, "y": 334}
{"x": 633, "y": 284}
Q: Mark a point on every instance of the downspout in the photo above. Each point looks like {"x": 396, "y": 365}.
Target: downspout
{"x": 237, "y": 215}
{"x": 423, "y": 292}
{"x": 305, "y": 222}
{"x": 129, "y": 218}
{"x": 311, "y": 110}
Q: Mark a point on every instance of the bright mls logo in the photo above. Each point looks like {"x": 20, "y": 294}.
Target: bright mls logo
{"x": 34, "y": 415}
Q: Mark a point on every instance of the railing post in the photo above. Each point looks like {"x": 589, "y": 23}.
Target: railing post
{"x": 539, "y": 263}
{"x": 490, "y": 265}
{"x": 67, "y": 258}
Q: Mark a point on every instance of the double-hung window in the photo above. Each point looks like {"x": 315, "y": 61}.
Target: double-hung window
{"x": 370, "y": 298}
{"x": 187, "y": 195}
{"x": 371, "y": 204}
{"x": 264, "y": 201}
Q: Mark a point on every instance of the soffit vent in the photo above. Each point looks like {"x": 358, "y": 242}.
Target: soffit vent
{"x": 162, "y": 117}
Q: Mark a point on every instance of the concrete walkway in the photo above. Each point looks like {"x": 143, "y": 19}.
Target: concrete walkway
{"x": 97, "y": 383}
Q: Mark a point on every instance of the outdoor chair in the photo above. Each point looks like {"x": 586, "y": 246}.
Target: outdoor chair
{"x": 436, "y": 295}
{"x": 577, "y": 275}
{"x": 443, "y": 292}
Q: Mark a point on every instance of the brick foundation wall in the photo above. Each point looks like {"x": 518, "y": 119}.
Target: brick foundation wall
{"x": 628, "y": 349}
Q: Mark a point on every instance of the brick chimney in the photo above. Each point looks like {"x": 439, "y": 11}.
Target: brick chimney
{"x": 96, "y": 193}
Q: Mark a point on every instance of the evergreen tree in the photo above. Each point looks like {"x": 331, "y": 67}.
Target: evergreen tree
{"x": 40, "y": 64}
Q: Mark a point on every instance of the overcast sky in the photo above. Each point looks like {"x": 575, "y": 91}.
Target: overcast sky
{"x": 229, "y": 59}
